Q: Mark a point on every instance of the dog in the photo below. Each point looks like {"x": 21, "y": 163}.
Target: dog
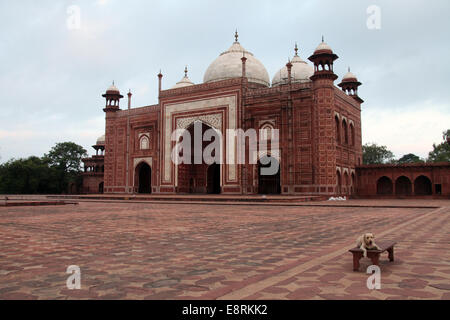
{"x": 367, "y": 242}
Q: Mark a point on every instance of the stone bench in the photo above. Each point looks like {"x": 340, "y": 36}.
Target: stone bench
{"x": 374, "y": 255}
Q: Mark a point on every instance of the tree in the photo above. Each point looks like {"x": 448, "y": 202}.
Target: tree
{"x": 28, "y": 176}
{"x": 375, "y": 154}
{"x": 66, "y": 157}
{"x": 441, "y": 152}
{"x": 409, "y": 158}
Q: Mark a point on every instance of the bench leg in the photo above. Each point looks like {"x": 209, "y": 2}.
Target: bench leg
{"x": 375, "y": 259}
{"x": 391, "y": 254}
{"x": 356, "y": 257}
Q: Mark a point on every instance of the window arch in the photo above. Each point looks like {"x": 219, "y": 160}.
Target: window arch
{"x": 144, "y": 143}
{"x": 266, "y": 131}
{"x": 345, "y": 131}
{"x": 338, "y": 129}
{"x": 352, "y": 135}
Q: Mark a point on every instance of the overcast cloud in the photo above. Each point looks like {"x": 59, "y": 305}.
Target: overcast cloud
{"x": 52, "y": 78}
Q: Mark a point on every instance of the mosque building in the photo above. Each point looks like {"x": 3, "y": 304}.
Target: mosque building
{"x": 319, "y": 126}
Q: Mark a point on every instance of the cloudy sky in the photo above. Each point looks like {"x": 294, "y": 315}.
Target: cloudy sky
{"x": 52, "y": 74}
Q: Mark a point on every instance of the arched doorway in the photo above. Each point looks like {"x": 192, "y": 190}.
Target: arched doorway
{"x": 143, "y": 178}
{"x": 353, "y": 187}
{"x": 403, "y": 186}
{"x": 268, "y": 183}
{"x": 213, "y": 179}
{"x": 422, "y": 186}
{"x": 346, "y": 183}
{"x": 384, "y": 186}
{"x": 100, "y": 187}
{"x": 198, "y": 176}
{"x": 338, "y": 183}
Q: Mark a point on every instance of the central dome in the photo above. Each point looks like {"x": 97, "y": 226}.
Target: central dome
{"x": 229, "y": 65}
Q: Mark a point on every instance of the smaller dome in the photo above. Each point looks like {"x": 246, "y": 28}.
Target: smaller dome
{"x": 300, "y": 72}
{"x": 185, "y": 82}
{"x": 323, "y": 47}
{"x": 349, "y": 76}
{"x": 113, "y": 89}
{"x": 101, "y": 140}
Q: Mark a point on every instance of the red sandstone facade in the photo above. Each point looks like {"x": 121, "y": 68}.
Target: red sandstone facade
{"x": 319, "y": 127}
{"x": 320, "y": 144}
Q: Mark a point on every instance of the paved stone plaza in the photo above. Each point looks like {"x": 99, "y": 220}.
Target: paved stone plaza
{"x": 129, "y": 250}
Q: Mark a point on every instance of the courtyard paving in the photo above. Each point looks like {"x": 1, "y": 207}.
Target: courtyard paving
{"x": 130, "y": 250}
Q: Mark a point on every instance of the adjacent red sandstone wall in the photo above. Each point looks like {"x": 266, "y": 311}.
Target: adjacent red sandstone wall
{"x": 368, "y": 177}
{"x": 91, "y": 182}
{"x": 143, "y": 119}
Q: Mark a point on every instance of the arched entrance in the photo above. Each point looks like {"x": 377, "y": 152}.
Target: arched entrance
{"x": 213, "y": 179}
{"x": 346, "y": 183}
{"x": 353, "y": 187}
{"x": 403, "y": 186}
{"x": 338, "y": 182}
{"x": 384, "y": 186}
{"x": 422, "y": 186}
{"x": 198, "y": 176}
{"x": 143, "y": 178}
{"x": 268, "y": 183}
{"x": 100, "y": 187}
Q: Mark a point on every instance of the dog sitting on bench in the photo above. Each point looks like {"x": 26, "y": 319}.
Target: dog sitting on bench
{"x": 367, "y": 242}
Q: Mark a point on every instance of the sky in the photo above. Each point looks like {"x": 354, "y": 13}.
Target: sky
{"x": 58, "y": 57}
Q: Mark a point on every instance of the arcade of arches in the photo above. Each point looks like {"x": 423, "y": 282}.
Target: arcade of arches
{"x": 413, "y": 180}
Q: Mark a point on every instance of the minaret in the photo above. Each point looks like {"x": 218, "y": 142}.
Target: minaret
{"x": 350, "y": 84}
{"x": 323, "y": 139}
{"x": 127, "y": 162}
{"x": 129, "y": 94}
{"x": 112, "y": 97}
{"x": 159, "y": 81}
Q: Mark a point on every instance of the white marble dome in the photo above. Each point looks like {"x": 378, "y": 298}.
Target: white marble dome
{"x": 300, "y": 72}
{"x": 229, "y": 65}
{"x": 101, "y": 140}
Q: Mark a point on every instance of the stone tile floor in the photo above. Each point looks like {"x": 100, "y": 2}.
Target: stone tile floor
{"x": 193, "y": 251}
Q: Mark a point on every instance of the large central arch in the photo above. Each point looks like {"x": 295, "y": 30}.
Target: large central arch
{"x": 201, "y": 178}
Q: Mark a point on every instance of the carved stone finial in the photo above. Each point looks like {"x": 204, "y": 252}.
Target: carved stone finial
{"x": 236, "y": 35}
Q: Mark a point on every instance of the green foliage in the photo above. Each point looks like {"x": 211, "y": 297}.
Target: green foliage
{"x": 375, "y": 154}
{"x": 49, "y": 174}
{"x": 28, "y": 176}
{"x": 409, "y": 158}
{"x": 441, "y": 152}
{"x": 66, "y": 156}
